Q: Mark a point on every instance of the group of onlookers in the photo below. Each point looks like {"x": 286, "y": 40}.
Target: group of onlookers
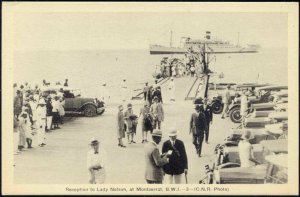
{"x": 152, "y": 114}
{"x": 190, "y": 65}
{"x": 35, "y": 112}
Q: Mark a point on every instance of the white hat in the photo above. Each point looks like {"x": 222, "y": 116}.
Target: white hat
{"x": 173, "y": 132}
{"x": 157, "y": 133}
{"x": 24, "y": 108}
{"x": 103, "y": 83}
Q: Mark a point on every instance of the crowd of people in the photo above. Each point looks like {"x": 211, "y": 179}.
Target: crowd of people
{"x": 190, "y": 65}
{"x": 35, "y": 113}
{"x": 172, "y": 164}
{"x": 151, "y": 115}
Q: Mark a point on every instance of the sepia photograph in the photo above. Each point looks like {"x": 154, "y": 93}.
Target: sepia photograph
{"x": 150, "y": 98}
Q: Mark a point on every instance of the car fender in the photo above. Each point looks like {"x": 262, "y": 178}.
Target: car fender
{"x": 87, "y": 103}
{"x": 216, "y": 100}
{"x": 234, "y": 106}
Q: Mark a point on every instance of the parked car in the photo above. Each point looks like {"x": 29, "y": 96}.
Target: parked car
{"x": 74, "y": 103}
{"x": 217, "y": 104}
{"x": 272, "y": 154}
{"x": 277, "y": 169}
{"x": 263, "y": 95}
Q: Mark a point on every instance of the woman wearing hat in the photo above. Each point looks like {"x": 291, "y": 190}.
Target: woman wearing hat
{"x": 96, "y": 159}
{"x": 24, "y": 128}
{"x": 147, "y": 121}
{"x": 131, "y": 127}
{"x": 41, "y": 113}
{"x": 121, "y": 126}
{"x": 246, "y": 150}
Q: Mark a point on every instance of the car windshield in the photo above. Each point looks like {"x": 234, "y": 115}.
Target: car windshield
{"x": 68, "y": 94}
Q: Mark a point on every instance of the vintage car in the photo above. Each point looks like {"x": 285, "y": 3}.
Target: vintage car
{"x": 259, "y": 134}
{"x": 74, "y": 103}
{"x": 231, "y": 172}
{"x": 263, "y": 95}
{"x": 217, "y": 104}
{"x": 277, "y": 169}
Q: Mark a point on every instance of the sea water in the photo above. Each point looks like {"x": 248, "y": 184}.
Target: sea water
{"x": 88, "y": 69}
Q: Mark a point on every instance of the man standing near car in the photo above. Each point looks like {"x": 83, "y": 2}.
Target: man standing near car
{"x": 226, "y": 99}
{"x": 198, "y": 126}
{"x": 244, "y": 106}
{"x": 208, "y": 116}
{"x": 178, "y": 163}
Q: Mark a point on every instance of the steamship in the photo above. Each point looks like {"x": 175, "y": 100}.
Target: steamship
{"x": 213, "y": 46}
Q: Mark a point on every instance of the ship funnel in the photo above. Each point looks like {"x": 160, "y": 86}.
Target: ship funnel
{"x": 207, "y": 35}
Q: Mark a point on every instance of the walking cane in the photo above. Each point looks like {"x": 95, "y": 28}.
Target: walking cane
{"x": 186, "y": 181}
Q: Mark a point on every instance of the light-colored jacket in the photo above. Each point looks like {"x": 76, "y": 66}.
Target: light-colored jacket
{"x": 157, "y": 111}
{"x": 121, "y": 125}
{"x": 226, "y": 97}
{"x": 154, "y": 162}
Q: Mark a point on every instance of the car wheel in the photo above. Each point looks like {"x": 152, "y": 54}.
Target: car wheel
{"x": 89, "y": 111}
{"x": 217, "y": 108}
{"x": 235, "y": 115}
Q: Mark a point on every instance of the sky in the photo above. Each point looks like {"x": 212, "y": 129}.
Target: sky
{"x": 137, "y": 30}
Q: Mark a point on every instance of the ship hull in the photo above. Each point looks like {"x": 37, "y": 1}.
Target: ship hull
{"x": 156, "y": 50}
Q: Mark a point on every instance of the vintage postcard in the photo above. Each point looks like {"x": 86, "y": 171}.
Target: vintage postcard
{"x": 150, "y": 98}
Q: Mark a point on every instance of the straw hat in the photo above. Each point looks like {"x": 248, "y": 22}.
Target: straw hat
{"x": 145, "y": 103}
{"x": 247, "y": 135}
{"x": 157, "y": 133}
{"x": 94, "y": 141}
{"x": 173, "y": 133}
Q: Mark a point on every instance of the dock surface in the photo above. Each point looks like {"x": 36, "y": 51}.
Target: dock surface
{"x": 63, "y": 159}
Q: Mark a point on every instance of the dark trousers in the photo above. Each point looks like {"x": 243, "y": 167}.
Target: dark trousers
{"x": 207, "y": 132}
{"x": 197, "y": 141}
{"x": 145, "y": 96}
{"x": 153, "y": 182}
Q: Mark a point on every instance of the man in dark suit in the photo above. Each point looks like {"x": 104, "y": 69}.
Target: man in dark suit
{"x": 157, "y": 93}
{"x": 198, "y": 126}
{"x": 208, "y": 116}
{"x": 154, "y": 160}
{"x": 178, "y": 163}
